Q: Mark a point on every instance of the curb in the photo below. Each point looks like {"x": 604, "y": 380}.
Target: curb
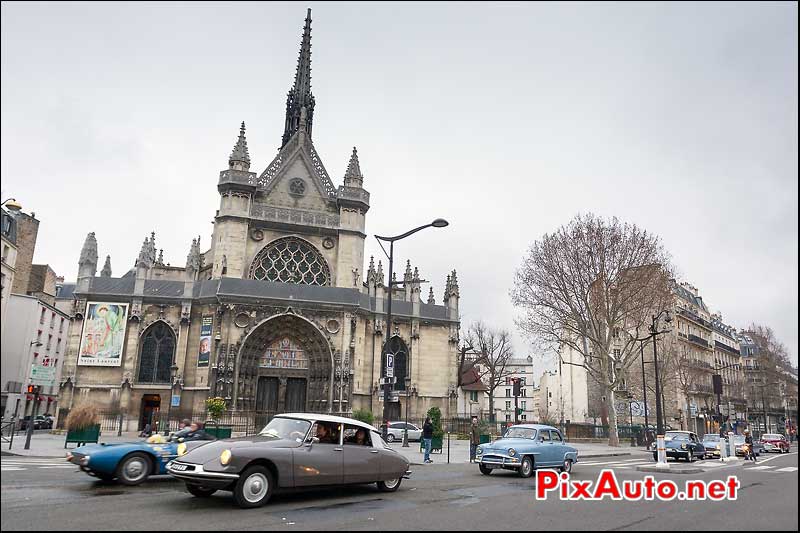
{"x": 600, "y": 455}
{"x": 671, "y": 470}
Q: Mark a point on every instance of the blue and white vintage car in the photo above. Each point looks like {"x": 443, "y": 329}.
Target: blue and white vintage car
{"x": 526, "y": 447}
{"x": 130, "y": 463}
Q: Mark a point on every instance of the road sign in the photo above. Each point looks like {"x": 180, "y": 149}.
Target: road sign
{"x": 43, "y": 375}
{"x": 176, "y": 400}
{"x": 388, "y": 381}
{"x": 389, "y": 365}
{"x": 693, "y": 410}
{"x": 394, "y": 396}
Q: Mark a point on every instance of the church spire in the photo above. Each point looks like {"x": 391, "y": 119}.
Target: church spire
{"x": 353, "y": 176}
{"x": 300, "y": 96}
{"x": 240, "y": 154}
{"x": 106, "y": 272}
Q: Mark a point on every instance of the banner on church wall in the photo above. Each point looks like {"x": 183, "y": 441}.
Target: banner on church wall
{"x": 103, "y": 334}
{"x": 204, "y": 353}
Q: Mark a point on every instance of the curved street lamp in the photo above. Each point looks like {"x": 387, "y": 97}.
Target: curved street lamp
{"x": 11, "y": 204}
{"x": 437, "y": 223}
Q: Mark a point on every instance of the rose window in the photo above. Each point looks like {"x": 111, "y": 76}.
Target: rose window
{"x": 291, "y": 260}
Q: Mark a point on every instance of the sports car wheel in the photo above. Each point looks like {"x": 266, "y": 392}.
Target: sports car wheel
{"x": 390, "y": 485}
{"x": 134, "y": 468}
{"x": 526, "y": 468}
{"x": 566, "y": 466}
{"x": 485, "y": 470}
{"x": 390, "y": 438}
{"x": 254, "y": 487}
{"x": 200, "y": 492}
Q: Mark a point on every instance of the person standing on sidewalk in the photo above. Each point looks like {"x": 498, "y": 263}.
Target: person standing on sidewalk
{"x": 474, "y": 439}
{"x": 427, "y": 436}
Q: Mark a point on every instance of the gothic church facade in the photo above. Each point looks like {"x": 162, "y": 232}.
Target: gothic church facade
{"x": 277, "y": 315}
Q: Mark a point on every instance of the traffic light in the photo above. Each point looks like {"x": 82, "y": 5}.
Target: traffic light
{"x": 31, "y": 389}
{"x": 516, "y": 386}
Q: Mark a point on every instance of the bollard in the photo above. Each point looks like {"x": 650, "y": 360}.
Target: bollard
{"x": 661, "y": 452}
{"x": 119, "y": 430}
{"x": 731, "y": 445}
{"x": 448, "y": 447}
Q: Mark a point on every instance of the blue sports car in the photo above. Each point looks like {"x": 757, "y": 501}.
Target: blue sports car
{"x": 526, "y": 447}
{"x": 130, "y": 463}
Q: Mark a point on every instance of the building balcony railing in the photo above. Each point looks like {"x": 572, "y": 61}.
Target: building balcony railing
{"x": 694, "y": 318}
{"x": 724, "y": 347}
{"x": 698, "y": 340}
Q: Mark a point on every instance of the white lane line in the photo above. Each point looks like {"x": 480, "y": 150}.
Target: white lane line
{"x": 36, "y": 464}
{"x": 9, "y": 468}
{"x": 768, "y": 459}
{"x": 787, "y": 469}
{"x": 759, "y": 467}
{"x": 58, "y": 466}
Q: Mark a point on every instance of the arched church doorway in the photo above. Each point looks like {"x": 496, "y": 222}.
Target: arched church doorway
{"x": 285, "y": 366}
{"x": 398, "y": 348}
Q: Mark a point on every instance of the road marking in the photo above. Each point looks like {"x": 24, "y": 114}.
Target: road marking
{"x": 9, "y": 468}
{"x": 760, "y": 467}
{"x": 787, "y": 469}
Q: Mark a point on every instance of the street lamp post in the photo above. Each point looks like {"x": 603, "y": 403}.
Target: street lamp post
{"x": 11, "y": 204}
{"x": 662, "y": 455}
{"x": 387, "y": 387}
{"x": 172, "y": 371}
{"x": 644, "y": 392}
{"x": 36, "y": 389}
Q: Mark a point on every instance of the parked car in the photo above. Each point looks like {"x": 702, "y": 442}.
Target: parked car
{"x": 775, "y": 442}
{"x": 526, "y": 447}
{"x": 681, "y": 445}
{"x": 131, "y": 463}
{"x": 396, "y": 429}
{"x": 712, "y": 443}
{"x": 738, "y": 441}
{"x": 40, "y": 422}
{"x": 295, "y": 450}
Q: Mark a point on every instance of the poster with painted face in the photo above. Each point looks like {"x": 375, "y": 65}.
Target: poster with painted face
{"x": 103, "y": 334}
{"x": 204, "y": 353}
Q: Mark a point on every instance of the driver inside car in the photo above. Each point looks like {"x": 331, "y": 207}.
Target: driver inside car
{"x": 325, "y": 435}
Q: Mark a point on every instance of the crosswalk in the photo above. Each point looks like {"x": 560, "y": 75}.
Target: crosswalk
{"x": 630, "y": 464}
{"x": 16, "y": 464}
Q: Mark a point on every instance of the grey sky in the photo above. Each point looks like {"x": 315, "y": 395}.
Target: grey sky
{"x": 504, "y": 118}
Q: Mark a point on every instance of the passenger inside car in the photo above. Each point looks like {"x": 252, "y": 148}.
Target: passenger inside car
{"x": 326, "y": 433}
{"x": 356, "y": 436}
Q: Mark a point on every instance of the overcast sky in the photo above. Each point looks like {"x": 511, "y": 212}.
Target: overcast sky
{"x": 506, "y": 119}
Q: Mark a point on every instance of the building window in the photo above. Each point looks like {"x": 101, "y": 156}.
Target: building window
{"x": 473, "y": 396}
{"x": 508, "y": 393}
{"x": 522, "y": 405}
{"x": 61, "y": 327}
{"x": 52, "y": 320}
{"x": 157, "y": 354}
{"x": 508, "y": 406}
{"x": 41, "y": 318}
{"x": 291, "y": 260}
{"x": 49, "y": 342}
{"x": 508, "y": 418}
{"x": 523, "y": 417}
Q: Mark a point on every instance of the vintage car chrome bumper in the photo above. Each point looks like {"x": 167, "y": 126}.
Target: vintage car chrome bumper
{"x": 195, "y": 473}
{"x": 407, "y": 475}
{"x": 503, "y": 461}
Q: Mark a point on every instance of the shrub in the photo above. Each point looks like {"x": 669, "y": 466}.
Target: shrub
{"x": 364, "y": 416}
{"x": 215, "y": 406}
{"x": 436, "y": 419}
{"x": 84, "y": 416}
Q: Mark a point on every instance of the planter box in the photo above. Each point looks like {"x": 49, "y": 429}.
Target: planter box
{"x": 83, "y": 435}
{"x": 436, "y": 445}
{"x": 220, "y": 432}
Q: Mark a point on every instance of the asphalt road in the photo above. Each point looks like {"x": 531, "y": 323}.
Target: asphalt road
{"x": 42, "y": 494}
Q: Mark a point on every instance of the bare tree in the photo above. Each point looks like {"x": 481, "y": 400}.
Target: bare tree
{"x": 494, "y": 347}
{"x": 593, "y": 285}
{"x": 689, "y": 372}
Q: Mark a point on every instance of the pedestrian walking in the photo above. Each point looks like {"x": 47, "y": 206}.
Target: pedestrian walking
{"x": 474, "y": 439}
{"x": 748, "y": 441}
{"x": 427, "y": 437}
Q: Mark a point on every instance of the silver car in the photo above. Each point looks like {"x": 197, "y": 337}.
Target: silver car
{"x": 295, "y": 450}
{"x": 396, "y": 429}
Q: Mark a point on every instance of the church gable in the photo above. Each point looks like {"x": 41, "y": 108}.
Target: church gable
{"x": 297, "y": 178}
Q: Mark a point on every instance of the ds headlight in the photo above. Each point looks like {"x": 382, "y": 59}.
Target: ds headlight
{"x": 225, "y": 457}
{"x": 512, "y": 452}
{"x": 683, "y": 446}
{"x": 85, "y": 460}
{"x": 181, "y": 449}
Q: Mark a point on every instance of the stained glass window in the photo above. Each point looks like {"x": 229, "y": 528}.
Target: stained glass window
{"x": 284, "y": 353}
{"x": 158, "y": 352}
{"x": 290, "y": 260}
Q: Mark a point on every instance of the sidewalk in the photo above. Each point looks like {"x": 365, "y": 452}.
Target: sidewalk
{"x": 45, "y": 444}
{"x": 459, "y": 451}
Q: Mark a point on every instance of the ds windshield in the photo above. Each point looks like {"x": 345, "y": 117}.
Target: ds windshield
{"x": 676, "y": 436}
{"x": 286, "y": 428}
{"x": 711, "y": 438}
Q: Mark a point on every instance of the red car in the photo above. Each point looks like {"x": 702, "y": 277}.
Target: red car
{"x": 775, "y": 442}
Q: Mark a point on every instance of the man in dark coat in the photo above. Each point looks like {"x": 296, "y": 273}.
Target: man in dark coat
{"x": 474, "y": 439}
{"x": 427, "y": 436}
